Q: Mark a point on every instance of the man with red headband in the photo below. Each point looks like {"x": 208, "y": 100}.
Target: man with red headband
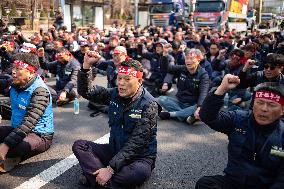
{"x": 237, "y": 96}
{"x": 31, "y": 129}
{"x": 7, "y": 50}
{"x": 129, "y": 158}
{"x": 255, "y": 149}
{"x": 66, "y": 69}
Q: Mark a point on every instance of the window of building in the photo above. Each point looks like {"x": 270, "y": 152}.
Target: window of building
{"x": 77, "y": 15}
{"x": 88, "y": 17}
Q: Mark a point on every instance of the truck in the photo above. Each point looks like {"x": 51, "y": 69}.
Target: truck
{"x": 267, "y": 21}
{"x": 161, "y": 10}
{"x": 251, "y": 19}
{"x": 221, "y": 14}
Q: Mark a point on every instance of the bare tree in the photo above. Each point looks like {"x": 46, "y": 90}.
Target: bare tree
{"x": 121, "y": 7}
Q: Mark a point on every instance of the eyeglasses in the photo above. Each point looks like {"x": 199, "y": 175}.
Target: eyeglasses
{"x": 272, "y": 67}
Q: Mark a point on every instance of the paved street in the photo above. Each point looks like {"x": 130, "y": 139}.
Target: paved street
{"x": 185, "y": 153}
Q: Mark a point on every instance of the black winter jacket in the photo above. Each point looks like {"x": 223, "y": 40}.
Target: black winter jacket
{"x": 250, "y": 162}
{"x": 253, "y": 79}
{"x": 191, "y": 87}
{"x": 132, "y": 122}
{"x": 66, "y": 73}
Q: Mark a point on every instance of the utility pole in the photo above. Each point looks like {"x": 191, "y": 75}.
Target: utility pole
{"x": 259, "y": 10}
{"x": 34, "y": 12}
{"x": 136, "y": 12}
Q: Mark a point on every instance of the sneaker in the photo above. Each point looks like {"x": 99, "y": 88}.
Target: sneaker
{"x": 191, "y": 120}
{"x": 164, "y": 115}
{"x": 9, "y": 164}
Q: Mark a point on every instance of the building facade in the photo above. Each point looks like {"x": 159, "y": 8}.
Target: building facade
{"x": 269, "y": 6}
{"x": 83, "y": 12}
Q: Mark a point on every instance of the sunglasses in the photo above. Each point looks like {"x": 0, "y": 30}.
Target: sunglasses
{"x": 272, "y": 67}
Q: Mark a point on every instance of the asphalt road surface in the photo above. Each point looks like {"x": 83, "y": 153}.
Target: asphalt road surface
{"x": 185, "y": 153}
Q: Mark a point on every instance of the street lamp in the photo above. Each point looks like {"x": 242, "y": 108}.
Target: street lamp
{"x": 136, "y": 12}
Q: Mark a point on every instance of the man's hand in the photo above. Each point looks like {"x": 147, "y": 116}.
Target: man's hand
{"x": 103, "y": 175}
{"x": 222, "y": 54}
{"x": 40, "y": 52}
{"x": 165, "y": 87}
{"x": 3, "y": 151}
{"x": 237, "y": 101}
{"x": 229, "y": 82}
{"x": 52, "y": 28}
{"x": 248, "y": 65}
{"x": 167, "y": 48}
{"x": 196, "y": 113}
{"x": 62, "y": 96}
{"x": 90, "y": 58}
{"x": 18, "y": 33}
{"x": 101, "y": 46}
{"x": 182, "y": 48}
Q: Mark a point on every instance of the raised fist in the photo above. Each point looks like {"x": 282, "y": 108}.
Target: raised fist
{"x": 229, "y": 82}
{"x": 40, "y": 52}
{"x": 249, "y": 64}
{"x": 90, "y": 58}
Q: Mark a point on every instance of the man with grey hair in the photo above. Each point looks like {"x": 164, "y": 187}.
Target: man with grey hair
{"x": 193, "y": 86}
{"x": 108, "y": 68}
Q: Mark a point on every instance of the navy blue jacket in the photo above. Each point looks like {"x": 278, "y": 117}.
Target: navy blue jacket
{"x": 132, "y": 122}
{"x": 159, "y": 67}
{"x": 66, "y": 73}
{"x": 250, "y": 163}
{"x": 253, "y": 79}
{"x": 79, "y": 56}
{"x": 192, "y": 88}
{"x": 108, "y": 68}
{"x": 207, "y": 66}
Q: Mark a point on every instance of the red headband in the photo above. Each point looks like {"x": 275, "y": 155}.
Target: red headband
{"x": 130, "y": 71}
{"x": 25, "y": 65}
{"x": 30, "y": 49}
{"x": 8, "y": 43}
{"x": 119, "y": 52}
{"x": 268, "y": 95}
{"x": 194, "y": 55}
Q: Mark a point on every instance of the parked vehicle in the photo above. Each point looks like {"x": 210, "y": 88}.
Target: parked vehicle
{"x": 221, "y": 14}
{"x": 161, "y": 10}
{"x": 267, "y": 21}
{"x": 251, "y": 19}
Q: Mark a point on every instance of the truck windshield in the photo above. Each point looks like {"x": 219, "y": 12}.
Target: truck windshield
{"x": 161, "y": 8}
{"x": 250, "y": 14}
{"x": 266, "y": 17}
{"x": 209, "y": 6}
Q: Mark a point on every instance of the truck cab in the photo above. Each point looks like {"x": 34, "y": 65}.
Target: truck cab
{"x": 251, "y": 19}
{"x": 267, "y": 21}
{"x": 161, "y": 10}
{"x": 209, "y": 14}
{"x": 221, "y": 14}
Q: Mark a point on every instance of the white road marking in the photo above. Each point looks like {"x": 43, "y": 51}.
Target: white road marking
{"x": 56, "y": 170}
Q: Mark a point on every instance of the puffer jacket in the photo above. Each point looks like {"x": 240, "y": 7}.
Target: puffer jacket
{"x": 132, "y": 122}
{"x": 251, "y": 165}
